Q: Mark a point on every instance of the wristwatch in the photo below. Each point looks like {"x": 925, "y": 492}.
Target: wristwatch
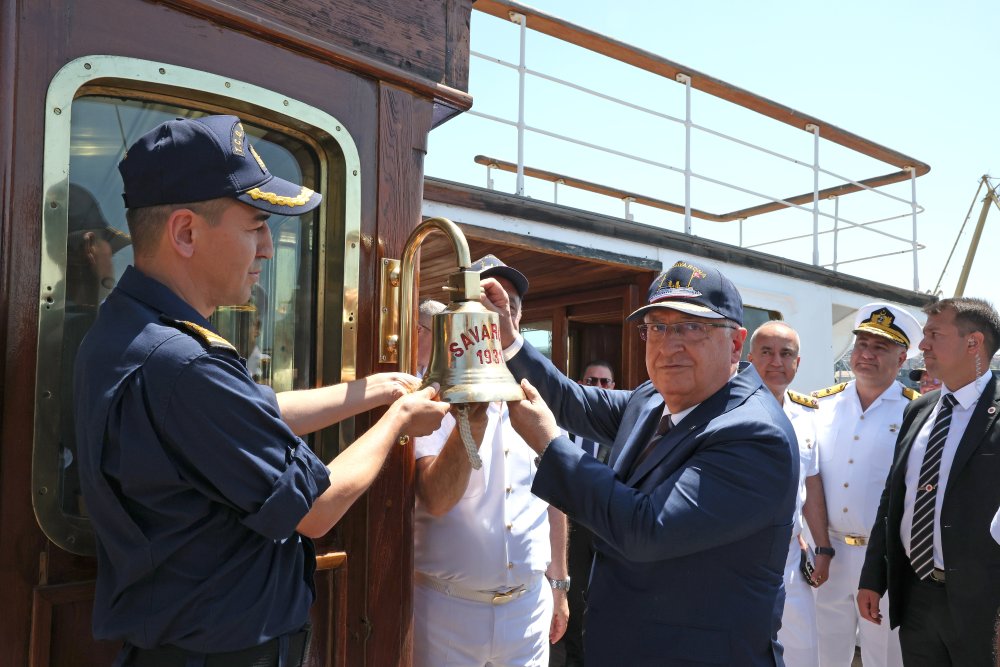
{"x": 825, "y": 551}
{"x": 559, "y": 584}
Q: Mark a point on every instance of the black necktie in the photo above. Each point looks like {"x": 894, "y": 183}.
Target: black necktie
{"x": 661, "y": 430}
{"x": 922, "y": 534}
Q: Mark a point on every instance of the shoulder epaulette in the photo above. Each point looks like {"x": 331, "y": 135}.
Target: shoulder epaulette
{"x": 206, "y": 337}
{"x": 830, "y": 391}
{"x": 910, "y": 394}
{"x": 802, "y": 399}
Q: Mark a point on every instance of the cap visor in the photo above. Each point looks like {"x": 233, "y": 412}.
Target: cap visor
{"x": 682, "y": 306}
{"x": 280, "y": 197}
{"x": 513, "y": 275}
{"x": 882, "y": 334}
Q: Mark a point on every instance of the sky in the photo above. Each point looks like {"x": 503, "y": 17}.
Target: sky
{"x": 915, "y": 76}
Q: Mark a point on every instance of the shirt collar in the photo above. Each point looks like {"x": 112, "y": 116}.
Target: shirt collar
{"x": 968, "y": 395}
{"x": 159, "y": 297}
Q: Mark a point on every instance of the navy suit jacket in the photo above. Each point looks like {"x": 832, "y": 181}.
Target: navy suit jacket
{"x": 691, "y": 545}
{"x": 971, "y": 498}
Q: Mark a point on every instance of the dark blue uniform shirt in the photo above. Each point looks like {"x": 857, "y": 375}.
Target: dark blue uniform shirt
{"x": 193, "y": 482}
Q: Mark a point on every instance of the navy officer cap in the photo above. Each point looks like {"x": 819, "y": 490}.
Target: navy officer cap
{"x": 190, "y": 160}
{"x": 490, "y": 266}
{"x": 695, "y": 290}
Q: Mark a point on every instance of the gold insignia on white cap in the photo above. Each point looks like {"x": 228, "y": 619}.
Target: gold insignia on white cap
{"x": 892, "y": 322}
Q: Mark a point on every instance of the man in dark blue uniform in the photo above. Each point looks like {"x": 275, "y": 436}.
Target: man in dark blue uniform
{"x": 202, "y": 495}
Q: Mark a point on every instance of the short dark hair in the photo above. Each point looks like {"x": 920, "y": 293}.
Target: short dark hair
{"x": 146, "y": 223}
{"x": 601, "y": 364}
{"x": 972, "y": 315}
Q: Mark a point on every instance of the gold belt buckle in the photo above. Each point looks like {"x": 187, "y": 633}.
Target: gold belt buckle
{"x": 502, "y": 598}
{"x": 507, "y": 596}
{"x": 856, "y": 540}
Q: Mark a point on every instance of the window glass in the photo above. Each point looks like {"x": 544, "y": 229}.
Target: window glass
{"x": 539, "y": 334}
{"x": 752, "y": 319}
{"x": 273, "y": 332}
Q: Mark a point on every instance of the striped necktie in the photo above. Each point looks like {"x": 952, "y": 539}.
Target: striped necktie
{"x": 922, "y": 535}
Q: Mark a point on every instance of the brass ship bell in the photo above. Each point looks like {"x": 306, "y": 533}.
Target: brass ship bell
{"x": 467, "y": 356}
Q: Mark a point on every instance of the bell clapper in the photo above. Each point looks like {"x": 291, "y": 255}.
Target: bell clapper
{"x": 465, "y": 430}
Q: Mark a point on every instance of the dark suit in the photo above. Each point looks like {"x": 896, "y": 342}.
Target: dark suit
{"x": 971, "y": 595}
{"x": 691, "y": 545}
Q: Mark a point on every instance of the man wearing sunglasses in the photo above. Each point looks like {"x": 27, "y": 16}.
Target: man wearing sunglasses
{"x": 693, "y": 514}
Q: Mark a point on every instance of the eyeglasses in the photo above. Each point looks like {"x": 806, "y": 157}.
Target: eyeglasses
{"x": 689, "y": 332}
{"x": 592, "y": 381}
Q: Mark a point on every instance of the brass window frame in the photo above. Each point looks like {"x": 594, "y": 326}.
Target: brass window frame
{"x": 339, "y": 222}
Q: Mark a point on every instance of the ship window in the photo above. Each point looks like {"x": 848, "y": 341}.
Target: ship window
{"x": 297, "y": 330}
{"x": 753, "y": 318}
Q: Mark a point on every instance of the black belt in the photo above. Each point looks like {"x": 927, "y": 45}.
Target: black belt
{"x": 262, "y": 655}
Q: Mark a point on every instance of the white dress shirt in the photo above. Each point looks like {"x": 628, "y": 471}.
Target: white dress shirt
{"x": 497, "y": 535}
{"x": 803, "y": 421}
{"x": 856, "y": 454}
{"x": 967, "y": 397}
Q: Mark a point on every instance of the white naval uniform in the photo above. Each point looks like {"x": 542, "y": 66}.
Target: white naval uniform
{"x": 798, "y": 621}
{"x": 495, "y": 538}
{"x": 854, "y": 461}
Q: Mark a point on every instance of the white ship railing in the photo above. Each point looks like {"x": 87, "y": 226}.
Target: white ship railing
{"x": 810, "y": 202}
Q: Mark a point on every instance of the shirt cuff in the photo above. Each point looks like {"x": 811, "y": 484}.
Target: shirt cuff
{"x": 513, "y": 348}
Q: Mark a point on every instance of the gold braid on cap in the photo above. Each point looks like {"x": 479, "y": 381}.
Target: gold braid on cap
{"x": 280, "y": 200}
{"x": 881, "y": 323}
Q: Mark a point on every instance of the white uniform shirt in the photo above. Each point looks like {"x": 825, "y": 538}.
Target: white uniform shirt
{"x": 968, "y": 398}
{"x": 497, "y": 535}
{"x": 803, "y": 421}
{"x": 856, "y": 454}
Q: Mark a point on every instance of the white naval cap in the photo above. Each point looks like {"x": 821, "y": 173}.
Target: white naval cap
{"x": 892, "y": 322}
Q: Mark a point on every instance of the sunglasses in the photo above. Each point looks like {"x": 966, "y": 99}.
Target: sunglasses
{"x": 592, "y": 381}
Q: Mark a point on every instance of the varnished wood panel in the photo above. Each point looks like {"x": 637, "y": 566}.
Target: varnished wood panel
{"x": 404, "y": 122}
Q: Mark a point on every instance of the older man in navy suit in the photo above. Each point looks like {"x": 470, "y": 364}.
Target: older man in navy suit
{"x": 694, "y": 514}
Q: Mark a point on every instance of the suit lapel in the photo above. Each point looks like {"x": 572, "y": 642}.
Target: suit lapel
{"x": 982, "y": 420}
{"x": 649, "y": 417}
{"x": 732, "y": 394}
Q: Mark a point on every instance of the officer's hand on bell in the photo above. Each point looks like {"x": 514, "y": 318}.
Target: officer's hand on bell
{"x": 419, "y": 413}
{"x": 495, "y": 298}
{"x": 387, "y": 387}
{"x": 533, "y": 420}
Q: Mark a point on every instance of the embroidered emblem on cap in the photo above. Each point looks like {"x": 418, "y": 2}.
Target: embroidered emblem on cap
{"x": 280, "y": 200}
{"x": 674, "y": 289}
{"x": 257, "y": 157}
{"x": 238, "y": 137}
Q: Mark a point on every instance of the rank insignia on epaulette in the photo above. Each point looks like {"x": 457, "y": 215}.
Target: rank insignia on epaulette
{"x": 207, "y": 337}
{"x": 910, "y": 394}
{"x": 802, "y": 399}
{"x": 830, "y": 391}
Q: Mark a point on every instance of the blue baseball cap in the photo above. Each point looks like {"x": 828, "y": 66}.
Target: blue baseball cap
{"x": 703, "y": 292}
{"x": 490, "y": 266}
{"x": 197, "y": 159}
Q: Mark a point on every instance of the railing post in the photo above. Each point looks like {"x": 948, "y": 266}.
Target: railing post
{"x": 742, "y": 220}
{"x": 555, "y": 189}
{"x": 521, "y": 20}
{"x": 913, "y": 207}
{"x": 489, "y": 176}
{"x": 815, "y": 130}
{"x": 686, "y": 80}
{"x": 628, "y": 201}
{"x": 836, "y": 228}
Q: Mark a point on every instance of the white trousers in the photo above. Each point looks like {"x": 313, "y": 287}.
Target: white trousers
{"x": 798, "y": 621}
{"x": 841, "y": 626}
{"x": 452, "y": 632}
